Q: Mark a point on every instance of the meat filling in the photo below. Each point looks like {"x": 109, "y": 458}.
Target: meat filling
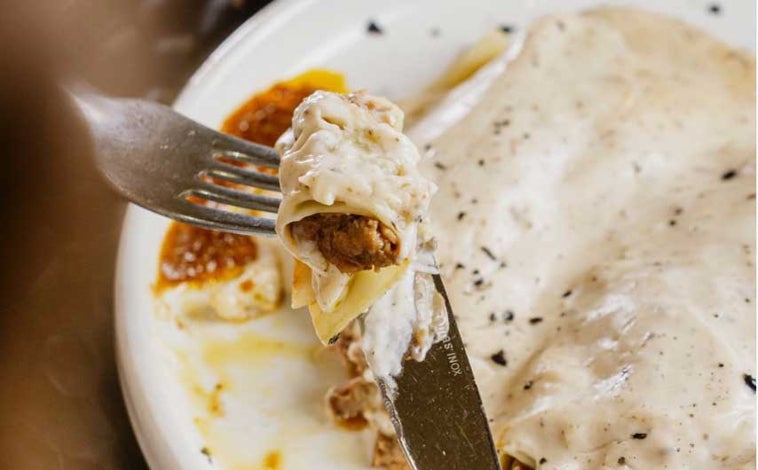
{"x": 350, "y": 242}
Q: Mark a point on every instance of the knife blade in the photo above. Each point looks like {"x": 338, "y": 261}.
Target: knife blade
{"x": 436, "y": 409}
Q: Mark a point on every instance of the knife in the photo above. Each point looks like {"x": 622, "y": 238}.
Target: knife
{"x": 436, "y": 408}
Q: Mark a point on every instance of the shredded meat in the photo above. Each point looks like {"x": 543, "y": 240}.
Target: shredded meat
{"x": 350, "y": 242}
{"x": 349, "y": 348}
{"x": 353, "y": 403}
{"x": 388, "y": 455}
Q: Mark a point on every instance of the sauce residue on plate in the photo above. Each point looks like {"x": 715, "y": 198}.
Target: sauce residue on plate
{"x": 194, "y": 255}
{"x": 249, "y": 347}
{"x": 265, "y": 116}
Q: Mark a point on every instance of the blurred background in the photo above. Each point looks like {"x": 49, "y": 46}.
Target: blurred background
{"x": 60, "y": 403}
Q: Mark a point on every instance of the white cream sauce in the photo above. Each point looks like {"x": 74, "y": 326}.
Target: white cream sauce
{"x": 596, "y": 229}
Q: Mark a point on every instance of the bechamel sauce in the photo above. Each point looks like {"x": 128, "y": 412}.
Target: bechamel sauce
{"x": 596, "y": 229}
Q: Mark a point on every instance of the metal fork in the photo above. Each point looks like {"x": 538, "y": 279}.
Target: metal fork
{"x": 165, "y": 162}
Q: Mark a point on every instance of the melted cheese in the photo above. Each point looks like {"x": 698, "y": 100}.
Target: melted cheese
{"x": 596, "y": 224}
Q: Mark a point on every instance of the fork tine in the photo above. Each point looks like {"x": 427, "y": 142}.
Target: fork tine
{"x": 217, "y": 219}
{"x": 233, "y": 197}
{"x": 247, "y": 151}
{"x": 235, "y": 174}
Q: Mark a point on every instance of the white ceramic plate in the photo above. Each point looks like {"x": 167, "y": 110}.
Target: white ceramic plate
{"x": 273, "y": 378}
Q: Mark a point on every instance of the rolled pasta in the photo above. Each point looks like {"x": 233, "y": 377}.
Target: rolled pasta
{"x": 353, "y": 206}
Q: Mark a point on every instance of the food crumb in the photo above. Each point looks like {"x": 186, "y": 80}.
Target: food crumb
{"x": 489, "y": 253}
{"x": 749, "y": 381}
{"x": 374, "y": 28}
{"x": 729, "y": 175}
{"x": 499, "y": 358}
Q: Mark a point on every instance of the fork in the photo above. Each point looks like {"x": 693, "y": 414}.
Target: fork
{"x": 165, "y": 162}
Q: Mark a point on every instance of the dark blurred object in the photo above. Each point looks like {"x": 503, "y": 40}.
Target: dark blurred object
{"x": 151, "y": 47}
{"x": 60, "y": 404}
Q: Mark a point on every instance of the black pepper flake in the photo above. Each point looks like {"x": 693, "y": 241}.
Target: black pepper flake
{"x": 207, "y": 453}
{"x": 729, "y": 175}
{"x": 721, "y": 364}
{"x": 508, "y": 316}
{"x": 622, "y": 460}
{"x": 480, "y": 162}
{"x": 434, "y": 32}
{"x": 499, "y": 358}
{"x": 475, "y": 272}
{"x": 749, "y": 381}
{"x": 672, "y": 222}
{"x": 493, "y": 317}
{"x": 489, "y": 253}
{"x": 507, "y": 28}
{"x": 528, "y": 385}
{"x": 714, "y": 9}
{"x": 543, "y": 460}
{"x": 373, "y": 28}
{"x": 535, "y": 320}
{"x": 567, "y": 293}
{"x": 440, "y": 166}
{"x": 461, "y": 215}
{"x": 427, "y": 147}
{"x": 459, "y": 266}
{"x": 639, "y": 435}
{"x": 479, "y": 282}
